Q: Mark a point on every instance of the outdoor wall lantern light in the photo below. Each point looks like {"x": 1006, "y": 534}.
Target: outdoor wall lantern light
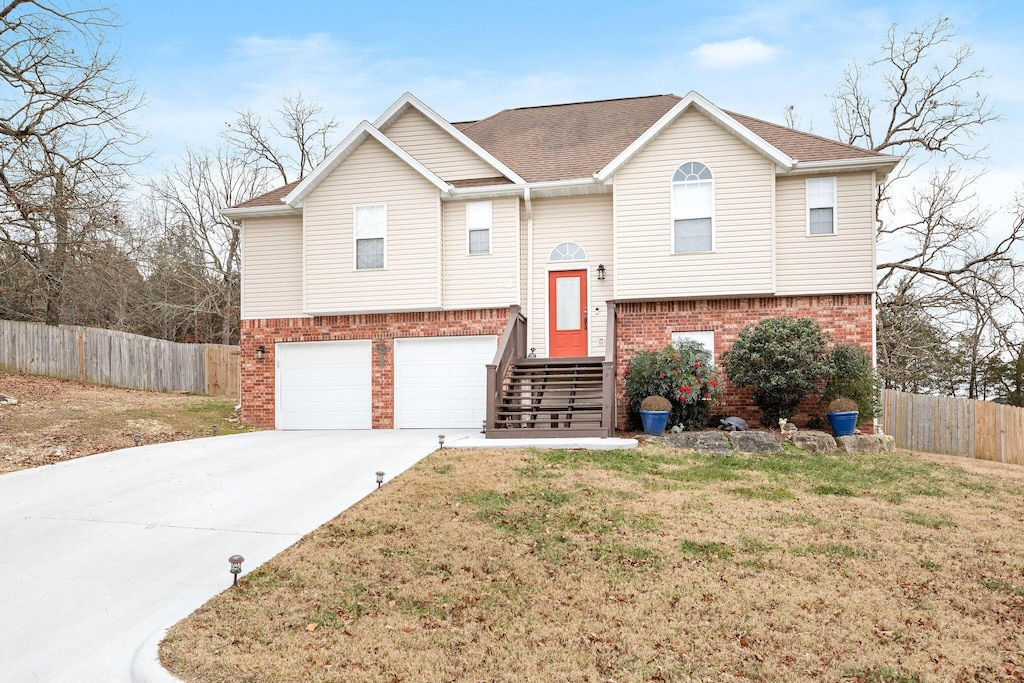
{"x": 261, "y": 350}
{"x": 600, "y": 272}
{"x": 380, "y": 478}
{"x": 236, "y": 566}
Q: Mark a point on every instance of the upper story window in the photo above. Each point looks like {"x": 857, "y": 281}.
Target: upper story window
{"x": 370, "y": 233}
{"x": 478, "y": 227}
{"x": 567, "y": 251}
{"x": 821, "y": 206}
{"x": 693, "y": 202}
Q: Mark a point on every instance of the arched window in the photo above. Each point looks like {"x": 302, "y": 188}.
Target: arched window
{"x": 567, "y": 251}
{"x": 693, "y": 202}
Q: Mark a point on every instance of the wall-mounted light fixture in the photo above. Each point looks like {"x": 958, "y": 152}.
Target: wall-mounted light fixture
{"x": 600, "y": 272}
{"x": 261, "y": 351}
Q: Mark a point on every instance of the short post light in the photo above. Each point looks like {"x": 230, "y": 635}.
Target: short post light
{"x": 440, "y": 440}
{"x": 261, "y": 351}
{"x": 236, "y": 566}
{"x": 138, "y": 439}
{"x": 380, "y": 478}
{"x": 214, "y": 428}
{"x": 600, "y": 272}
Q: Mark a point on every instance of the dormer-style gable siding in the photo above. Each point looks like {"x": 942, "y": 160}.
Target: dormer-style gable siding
{"x": 436, "y": 149}
{"x": 744, "y": 181}
{"x": 410, "y": 280}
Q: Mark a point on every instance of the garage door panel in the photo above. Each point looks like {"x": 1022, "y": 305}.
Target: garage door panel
{"x": 442, "y": 381}
{"x": 323, "y": 385}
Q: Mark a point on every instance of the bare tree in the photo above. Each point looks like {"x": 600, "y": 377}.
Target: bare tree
{"x": 921, "y": 99}
{"x": 65, "y": 145}
{"x": 206, "y": 249}
{"x": 292, "y": 146}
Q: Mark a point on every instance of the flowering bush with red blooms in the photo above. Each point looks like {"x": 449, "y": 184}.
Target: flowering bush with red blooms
{"x": 683, "y": 374}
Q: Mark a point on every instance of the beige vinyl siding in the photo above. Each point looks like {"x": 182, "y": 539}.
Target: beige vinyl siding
{"x": 741, "y": 262}
{"x": 587, "y": 221}
{"x": 436, "y": 149}
{"x": 480, "y": 280}
{"x": 826, "y": 264}
{"x": 272, "y": 267}
{"x": 410, "y": 279}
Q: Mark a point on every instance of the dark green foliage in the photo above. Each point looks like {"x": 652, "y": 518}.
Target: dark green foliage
{"x": 782, "y": 359}
{"x": 851, "y": 375}
{"x": 681, "y": 373}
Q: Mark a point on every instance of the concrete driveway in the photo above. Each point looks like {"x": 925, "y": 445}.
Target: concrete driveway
{"x": 99, "y": 556}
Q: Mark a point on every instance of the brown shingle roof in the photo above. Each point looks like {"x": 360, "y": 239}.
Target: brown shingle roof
{"x": 272, "y": 198}
{"x": 576, "y": 140}
{"x": 800, "y": 145}
{"x": 564, "y": 141}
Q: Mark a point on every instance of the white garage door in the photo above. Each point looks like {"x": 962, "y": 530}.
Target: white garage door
{"x": 323, "y": 385}
{"x": 442, "y": 381}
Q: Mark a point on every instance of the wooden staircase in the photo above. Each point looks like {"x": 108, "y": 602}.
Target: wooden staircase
{"x": 543, "y": 397}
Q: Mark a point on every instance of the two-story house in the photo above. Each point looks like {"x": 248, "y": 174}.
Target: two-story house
{"x": 376, "y": 290}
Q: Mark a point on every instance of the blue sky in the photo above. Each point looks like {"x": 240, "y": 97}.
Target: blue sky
{"x": 196, "y": 61}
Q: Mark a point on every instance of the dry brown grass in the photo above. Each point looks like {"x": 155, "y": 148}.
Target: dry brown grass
{"x": 654, "y": 565}
{"x": 57, "y": 420}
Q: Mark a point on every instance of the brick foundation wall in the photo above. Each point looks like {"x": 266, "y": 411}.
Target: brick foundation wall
{"x": 382, "y": 328}
{"x": 649, "y": 326}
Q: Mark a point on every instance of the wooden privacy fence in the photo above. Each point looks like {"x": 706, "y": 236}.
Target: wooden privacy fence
{"x": 119, "y": 359}
{"x": 955, "y": 426}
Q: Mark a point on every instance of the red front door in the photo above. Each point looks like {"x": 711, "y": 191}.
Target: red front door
{"x": 567, "y": 313}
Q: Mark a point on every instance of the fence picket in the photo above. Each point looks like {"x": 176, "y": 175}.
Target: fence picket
{"x": 119, "y": 359}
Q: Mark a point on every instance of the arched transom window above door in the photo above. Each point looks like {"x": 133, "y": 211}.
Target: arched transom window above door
{"x": 567, "y": 251}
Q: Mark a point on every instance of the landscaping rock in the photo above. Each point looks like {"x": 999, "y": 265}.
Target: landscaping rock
{"x": 6, "y": 400}
{"x": 815, "y": 442}
{"x": 754, "y": 442}
{"x": 706, "y": 442}
{"x": 864, "y": 444}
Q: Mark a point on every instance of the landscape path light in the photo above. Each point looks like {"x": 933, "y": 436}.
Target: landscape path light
{"x": 380, "y": 478}
{"x": 440, "y": 440}
{"x": 236, "y": 566}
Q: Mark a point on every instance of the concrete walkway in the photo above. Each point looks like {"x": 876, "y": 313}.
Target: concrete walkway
{"x": 99, "y": 556}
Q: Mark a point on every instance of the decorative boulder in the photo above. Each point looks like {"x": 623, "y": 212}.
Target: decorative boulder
{"x": 6, "y": 400}
{"x": 865, "y": 444}
{"x": 706, "y": 442}
{"x": 754, "y": 442}
{"x": 815, "y": 442}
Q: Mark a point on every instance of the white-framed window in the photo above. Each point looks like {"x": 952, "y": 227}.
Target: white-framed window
{"x": 821, "y": 206}
{"x": 370, "y": 228}
{"x": 478, "y": 227}
{"x": 704, "y": 337}
{"x": 693, "y": 203}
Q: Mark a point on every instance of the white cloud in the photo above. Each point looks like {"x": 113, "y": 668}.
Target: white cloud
{"x": 730, "y": 54}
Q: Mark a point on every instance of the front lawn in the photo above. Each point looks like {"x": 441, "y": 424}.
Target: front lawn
{"x": 648, "y": 565}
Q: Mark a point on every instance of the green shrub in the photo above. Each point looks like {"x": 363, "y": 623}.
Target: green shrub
{"x": 681, "y": 373}
{"x": 782, "y": 359}
{"x": 851, "y": 375}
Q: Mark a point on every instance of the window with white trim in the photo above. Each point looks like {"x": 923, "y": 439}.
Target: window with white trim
{"x": 567, "y": 251}
{"x": 370, "y": 227}
{"x": 693, "y": 201}
{"x": 478, "y": 227}
{"x": 821, "y": 206}
{"x": 705, "y": 338}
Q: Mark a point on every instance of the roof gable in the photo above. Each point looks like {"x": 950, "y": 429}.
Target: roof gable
{"x": 403, "y": 103}
{"x": 342, "y": 152}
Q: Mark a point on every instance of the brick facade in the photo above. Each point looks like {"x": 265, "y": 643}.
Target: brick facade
{"x": 382, "y": 328}
{"x": 649, "y": 326}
